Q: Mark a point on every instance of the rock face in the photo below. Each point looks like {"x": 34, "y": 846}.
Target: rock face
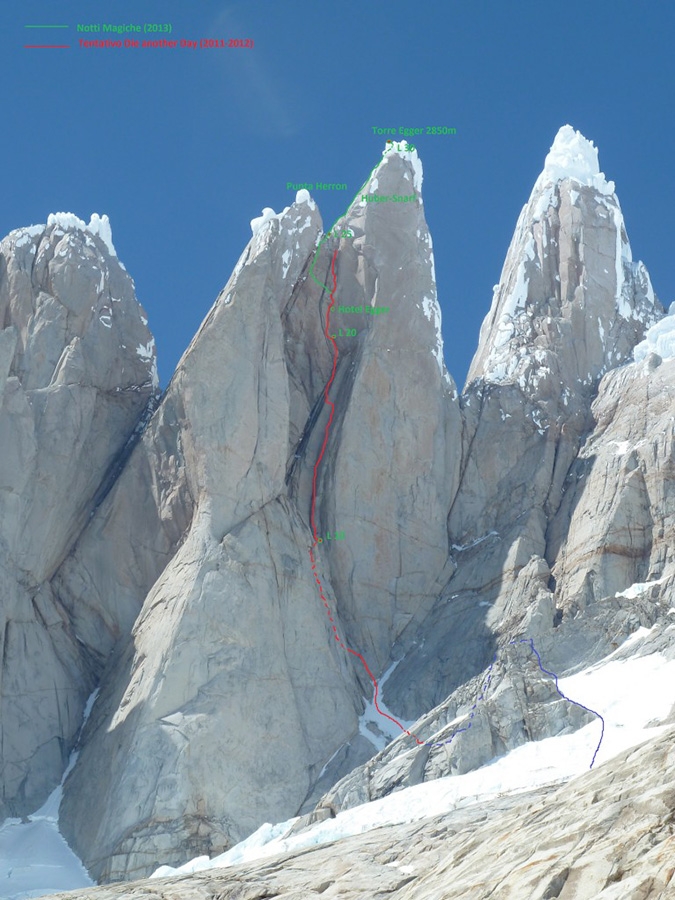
{"x": 391, "y": 385}
{"x": 545, "y": 532}
{"x": 230, "y": 697}
{"x": 312, "y": 507}
{"x": 77, "y": 370}
{"x": 570, "y": 305}
{"x": 617, "y": 508}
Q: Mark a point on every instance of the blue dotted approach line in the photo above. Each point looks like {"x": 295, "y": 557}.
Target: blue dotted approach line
{"x": 486, "y": 685}
{"x": 481, "y": 696}
{"x": 564, "y": 696}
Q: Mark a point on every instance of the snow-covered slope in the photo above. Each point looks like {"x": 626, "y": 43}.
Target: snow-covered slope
{"x": 35, "y": 858}
{"x": 633, "y": 689}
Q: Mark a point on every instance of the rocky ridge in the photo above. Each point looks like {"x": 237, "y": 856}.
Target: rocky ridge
{"x": 529, "y": 537}
{"x": 189, "y": 587}
{"x": 77, "y": 373}
{"x": 239, "y": 461}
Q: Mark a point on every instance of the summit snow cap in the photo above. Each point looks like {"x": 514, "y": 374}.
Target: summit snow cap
{"x": 571, "y": 303}
{"x": 573, "y": 156}
{"x": 407, "y": 152}
{"x": 302, "y": 197}
{"x": 98, "y": 225}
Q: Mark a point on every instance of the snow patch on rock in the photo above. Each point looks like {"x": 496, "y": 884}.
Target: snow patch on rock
{"x": 660, "y": 338}
{"x": 432, "y": 311}
{"x": 375, "y": 727}
{"x": 286, "y": 260}
{"x": 634, "y": 591}
{"x": 20, "y": 237}
{"x": 267, "y": 215}
{"x": 397, "y": 148}
{"x": 516, "y": 301}
{"x": 622, "y": 255}
{"x": 147, "y": 352}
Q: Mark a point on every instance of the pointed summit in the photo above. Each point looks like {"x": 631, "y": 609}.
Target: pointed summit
{"x": 571, "y": 303}
{"x": 573, "y": 156}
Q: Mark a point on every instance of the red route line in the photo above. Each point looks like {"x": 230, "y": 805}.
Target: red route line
{"x": 46, "y": 46}
{"x": 327, "y": 400}
{"x": 312, "y": 512}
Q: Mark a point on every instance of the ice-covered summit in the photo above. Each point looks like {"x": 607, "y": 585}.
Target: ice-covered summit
{"x": 302, "y": 197}
{"x": 573, "y": 156}
{"x": 408, "y": 152}
{"x": 98, "y": 225}
{"x": 571, "y": 303}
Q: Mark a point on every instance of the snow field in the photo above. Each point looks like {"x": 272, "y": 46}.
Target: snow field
{"x": 660, "y": 338}
{"x": 629, "y": 694}
{"x": 36, "y": 860}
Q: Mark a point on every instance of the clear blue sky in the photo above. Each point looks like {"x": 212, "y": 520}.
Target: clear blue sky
{"x": 183, "y": 148}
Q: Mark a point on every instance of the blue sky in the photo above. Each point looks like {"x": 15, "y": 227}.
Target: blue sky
{"x": 183, "y": 148}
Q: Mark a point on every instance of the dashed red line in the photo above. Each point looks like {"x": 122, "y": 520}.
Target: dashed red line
{"x": 327, "y": 401}
{"x": 312, "y": 512}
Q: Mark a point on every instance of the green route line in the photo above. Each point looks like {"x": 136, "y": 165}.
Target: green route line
{"x": 46, "y": 26}
{"x": 317, "y": 541}
{"x": 324, "y": 238}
